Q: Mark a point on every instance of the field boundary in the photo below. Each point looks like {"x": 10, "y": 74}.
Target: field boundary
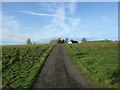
{"x": 81, "y": 68}
{"x": 43, "y": 60}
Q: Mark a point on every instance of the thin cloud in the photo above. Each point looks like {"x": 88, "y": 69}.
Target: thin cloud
{"x": 42, "y": 14}
{"x": 105, "y": 19}
{"x": 61, "y": 25}
{"x": 7, "y": 34}
{"x": 72, "y": 7}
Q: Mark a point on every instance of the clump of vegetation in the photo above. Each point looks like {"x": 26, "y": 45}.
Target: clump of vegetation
{"x": 56, "y": 41}
{"x": 98, "y": 60}
{"x": 84, "y": 40}
{"x": 21, "y": 64}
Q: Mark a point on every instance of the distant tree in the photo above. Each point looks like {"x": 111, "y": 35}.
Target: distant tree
{"x": 66, "y": 40}
{"x": 59, "y": 40}
{"x": 29, "y": 41}
{"x": 62, "y": 41}
{"x": 84, "y": 40}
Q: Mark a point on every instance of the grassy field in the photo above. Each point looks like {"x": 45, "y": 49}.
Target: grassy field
{"x": 0, "y": 67}
{"x": 98, "y": 60}
{"x": 21, "y": 64}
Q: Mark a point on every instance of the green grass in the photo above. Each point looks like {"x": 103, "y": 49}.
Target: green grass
{"x": 98, "y": 60}
{"x": 21, "y": 64}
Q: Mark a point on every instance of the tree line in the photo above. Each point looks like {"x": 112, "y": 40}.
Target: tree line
{"x": 59, "y": 40}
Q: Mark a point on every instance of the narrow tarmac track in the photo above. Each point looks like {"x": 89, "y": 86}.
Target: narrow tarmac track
{"x": 59, "y": 72}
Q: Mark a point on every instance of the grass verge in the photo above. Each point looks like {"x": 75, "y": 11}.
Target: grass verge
{"x": 98, "y": 60}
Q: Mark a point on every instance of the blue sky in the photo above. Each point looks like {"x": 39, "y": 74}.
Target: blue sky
{"x": 43, "y": 21}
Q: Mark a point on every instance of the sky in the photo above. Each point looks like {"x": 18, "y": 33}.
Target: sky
{"x": 44, "y": 21}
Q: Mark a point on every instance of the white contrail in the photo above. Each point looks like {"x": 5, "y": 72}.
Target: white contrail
{"x": 42, "y": 14}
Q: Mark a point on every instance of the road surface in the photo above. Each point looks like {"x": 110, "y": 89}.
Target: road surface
{"x": 59, "y": 72}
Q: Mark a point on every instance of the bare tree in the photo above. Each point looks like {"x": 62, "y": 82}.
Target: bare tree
{"x": 84, "y": 40}
{"x": 66, "y": 40}
{"x": 29, "y": 41}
